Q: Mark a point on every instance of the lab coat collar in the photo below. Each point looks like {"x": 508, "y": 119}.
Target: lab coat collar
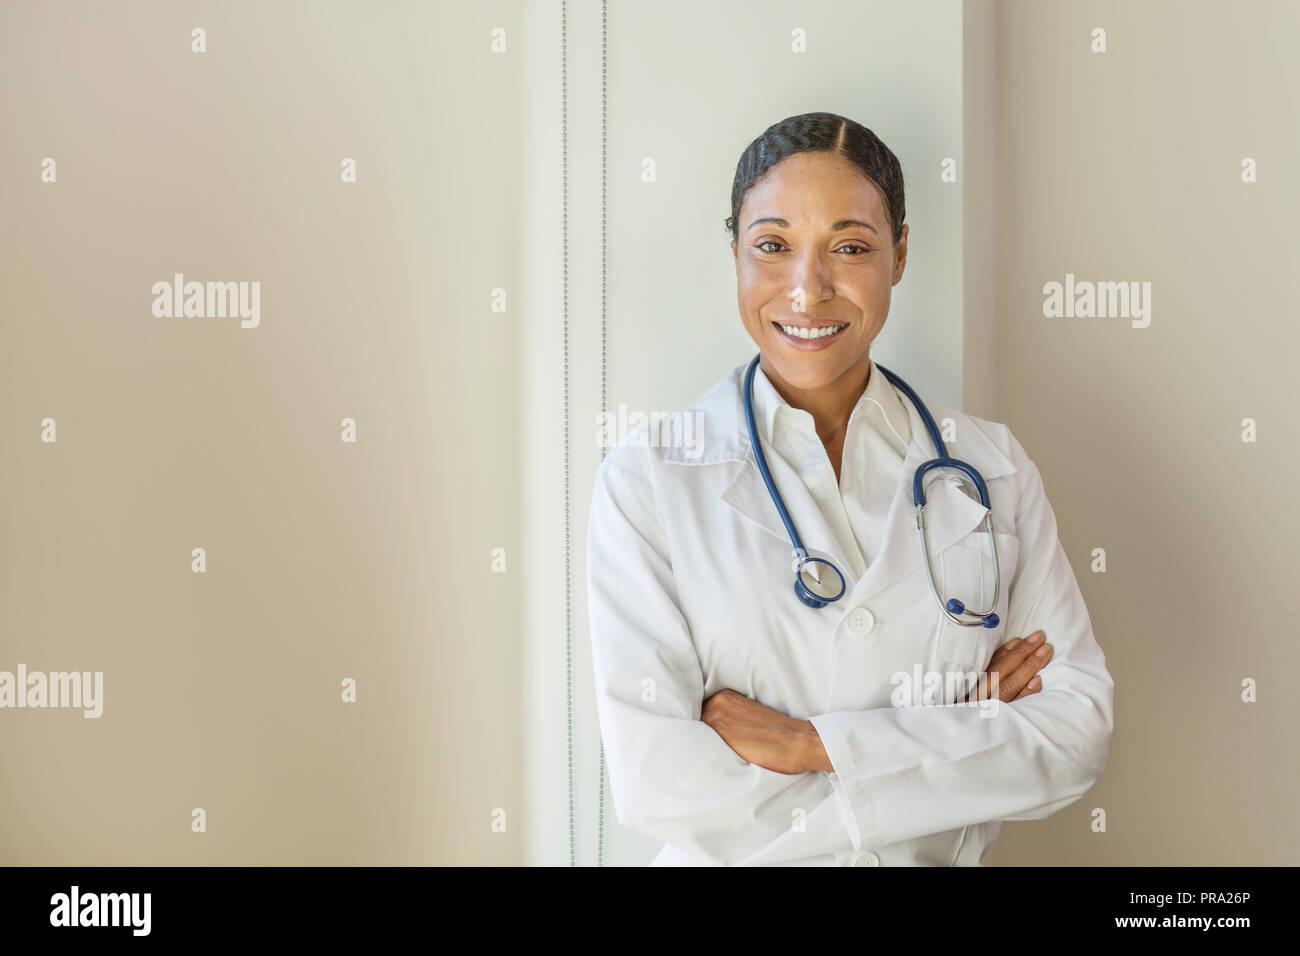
{"x": 768, "y": 402}
{"x": 950, "y": 513}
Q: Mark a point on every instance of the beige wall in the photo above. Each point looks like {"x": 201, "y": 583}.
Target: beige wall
{"x": 325, "y": 560}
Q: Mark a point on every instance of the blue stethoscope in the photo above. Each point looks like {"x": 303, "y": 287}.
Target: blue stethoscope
{"x": 817, "y": 582}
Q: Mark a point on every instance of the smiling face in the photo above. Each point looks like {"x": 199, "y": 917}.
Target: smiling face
{"x": 815, "y": 251}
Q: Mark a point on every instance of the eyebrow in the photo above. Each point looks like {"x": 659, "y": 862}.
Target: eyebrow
{"x": 835, "y": 227}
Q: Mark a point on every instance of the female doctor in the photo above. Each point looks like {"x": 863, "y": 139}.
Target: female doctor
{"x": 744, "y": 725}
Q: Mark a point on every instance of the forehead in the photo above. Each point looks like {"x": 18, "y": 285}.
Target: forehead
{"x": 814, "y": 186}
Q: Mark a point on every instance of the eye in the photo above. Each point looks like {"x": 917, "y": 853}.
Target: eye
{"x": 762, "y": 247}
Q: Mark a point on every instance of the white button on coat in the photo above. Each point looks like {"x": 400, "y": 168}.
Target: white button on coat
{"x": 866, "y": 859}
{"x": 690, "y": 593}
{"x": 860, "y": 621}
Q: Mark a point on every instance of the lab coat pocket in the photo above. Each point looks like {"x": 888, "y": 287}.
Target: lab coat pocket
{"x": 966, "y": 572}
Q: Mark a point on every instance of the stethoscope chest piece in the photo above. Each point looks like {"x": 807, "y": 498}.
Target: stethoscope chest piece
{"x": 817, "y": 582}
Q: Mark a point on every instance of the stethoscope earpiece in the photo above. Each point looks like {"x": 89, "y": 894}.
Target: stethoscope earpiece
{"x": 957, "y": 607}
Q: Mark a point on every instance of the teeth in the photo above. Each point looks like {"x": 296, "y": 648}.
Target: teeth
{"x": 805, "y": 333}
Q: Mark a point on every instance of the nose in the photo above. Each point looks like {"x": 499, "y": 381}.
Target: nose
{"x": 811, "y": 280}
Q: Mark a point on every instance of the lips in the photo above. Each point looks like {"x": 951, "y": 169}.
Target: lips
{"x": 811, "y": 340}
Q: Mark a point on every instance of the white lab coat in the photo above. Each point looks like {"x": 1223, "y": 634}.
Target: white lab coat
{"x": 691, "y": 592}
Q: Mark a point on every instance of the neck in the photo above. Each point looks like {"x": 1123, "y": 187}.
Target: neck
{"x": 831, "y": 404}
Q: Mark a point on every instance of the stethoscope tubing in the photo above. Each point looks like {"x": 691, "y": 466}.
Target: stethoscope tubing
{"x": 953, "y": 609}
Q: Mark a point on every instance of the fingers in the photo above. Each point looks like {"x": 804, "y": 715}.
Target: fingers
{"x": 1035, "y": 684}
{"x": 1004, "y": 649}
{"x": 1021, "y": 666}
{"x": 1016, "y": 664}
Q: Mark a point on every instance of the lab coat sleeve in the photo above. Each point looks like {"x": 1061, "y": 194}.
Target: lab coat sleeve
{"x": 672, "y": 776}
{"x": 901, "y": 773}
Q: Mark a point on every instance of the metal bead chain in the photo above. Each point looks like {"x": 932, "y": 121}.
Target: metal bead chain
{"x": 568, "y": 592}
{"x": 600, "y": 825}
{"x": 564, "y": 219}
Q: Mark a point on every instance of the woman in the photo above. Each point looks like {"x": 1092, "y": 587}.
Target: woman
{"x": 744, "y": 727}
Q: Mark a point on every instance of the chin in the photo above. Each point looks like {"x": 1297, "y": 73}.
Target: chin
{"x": 812, "y": 370}
{"x": 805, "y": 372}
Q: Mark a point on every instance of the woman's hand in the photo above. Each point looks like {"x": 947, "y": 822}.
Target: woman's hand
{"x": 761, "y": 735}
{"x": 1016, "y": 664}
{"x": 775, "y": 741}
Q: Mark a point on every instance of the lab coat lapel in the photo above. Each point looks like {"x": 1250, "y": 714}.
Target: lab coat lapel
{"x": 949, "y": 513}
{"x": 725, "y": 437}
{"x": 748, "y": 494}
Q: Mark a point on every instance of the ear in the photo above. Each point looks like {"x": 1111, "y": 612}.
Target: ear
{"x": 900, "y": 256}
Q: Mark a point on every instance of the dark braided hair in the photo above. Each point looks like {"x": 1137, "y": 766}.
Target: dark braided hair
{"x": 828, "y": 133}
